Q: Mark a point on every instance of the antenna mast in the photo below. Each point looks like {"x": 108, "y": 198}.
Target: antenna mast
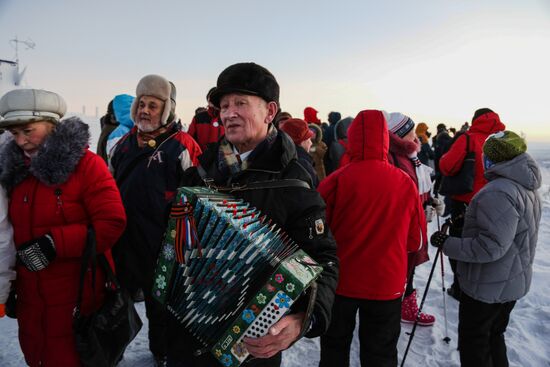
{"x": 28, "y": 43}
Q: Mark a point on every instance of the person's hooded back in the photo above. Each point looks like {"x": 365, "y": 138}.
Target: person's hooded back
{"x": 369, "y": 184}
{"x": 328, "y": 134}
{"x": 318, "y": 150}
{"x": 122, "y": 105}
{"x": 484, "y": 123}
{"x": 338, "y": 156}
{"x": 310, "y": 116}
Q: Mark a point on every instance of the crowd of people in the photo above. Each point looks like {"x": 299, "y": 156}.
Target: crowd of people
{"x": 355, "y": 193}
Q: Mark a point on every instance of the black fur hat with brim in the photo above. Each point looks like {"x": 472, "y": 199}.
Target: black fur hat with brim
{"x": 246, "y": 78}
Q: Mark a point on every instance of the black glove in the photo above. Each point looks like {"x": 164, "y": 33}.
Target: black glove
{"x": 38, "y": 253}
{"x": 11, "y": 304}
{"x": 438, "y": 239}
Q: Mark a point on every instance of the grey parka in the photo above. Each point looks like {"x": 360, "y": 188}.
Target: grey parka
{"x": 495, "y": 254}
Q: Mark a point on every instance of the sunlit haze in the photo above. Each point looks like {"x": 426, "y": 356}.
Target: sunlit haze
{"x": 434, "y": 60}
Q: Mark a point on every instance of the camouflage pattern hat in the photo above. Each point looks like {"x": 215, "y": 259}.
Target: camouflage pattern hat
{"x": 504, "y": 146}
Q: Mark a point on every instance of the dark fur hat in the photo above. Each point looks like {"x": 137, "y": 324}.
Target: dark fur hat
{"x": 246, "y": 78}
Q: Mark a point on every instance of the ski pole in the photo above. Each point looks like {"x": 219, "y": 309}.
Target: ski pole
{"x": 446, "y": 339}
{"x": 437, "y": 256}
{"x": 420, "y": 308}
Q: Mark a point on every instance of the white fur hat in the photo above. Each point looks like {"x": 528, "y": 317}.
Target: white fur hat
{"x": 155, "y": 86}
{"x": 21, "y": 106}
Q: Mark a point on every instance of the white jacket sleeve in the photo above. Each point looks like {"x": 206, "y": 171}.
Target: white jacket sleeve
{"x": 7, "y": 249}
{"x": 185, "y": 160}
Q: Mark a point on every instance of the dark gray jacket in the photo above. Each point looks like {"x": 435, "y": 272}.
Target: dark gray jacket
{"x": 495, "y": 254}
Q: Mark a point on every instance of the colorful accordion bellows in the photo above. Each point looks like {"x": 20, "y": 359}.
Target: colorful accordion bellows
{"x": 226, "y": 272}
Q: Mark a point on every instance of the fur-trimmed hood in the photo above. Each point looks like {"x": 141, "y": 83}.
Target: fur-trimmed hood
{"x": 55, "y": 160}
{"x": 318, "y": 136}
{"x": 400, "y": 146}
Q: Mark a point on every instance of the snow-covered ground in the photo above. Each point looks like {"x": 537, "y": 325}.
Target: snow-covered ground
{"x": 527, "y": 337}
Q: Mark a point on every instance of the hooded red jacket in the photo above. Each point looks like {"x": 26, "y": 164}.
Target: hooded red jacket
{"x": 205, "y": 128}
{"x": 374, "y": 212}
{"x": 451, "y": 162}
{"x": 310, "y": 116}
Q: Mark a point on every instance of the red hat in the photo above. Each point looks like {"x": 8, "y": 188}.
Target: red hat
{"x": 297, "y": 129}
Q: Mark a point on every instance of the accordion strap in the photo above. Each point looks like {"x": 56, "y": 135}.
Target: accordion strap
{"x": 259, "y": 185}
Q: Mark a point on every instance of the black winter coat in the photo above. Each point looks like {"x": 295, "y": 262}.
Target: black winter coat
{"x": 147, "y": 179}
{"x": 295, "y": 209}
{"x": 307, "y": 162}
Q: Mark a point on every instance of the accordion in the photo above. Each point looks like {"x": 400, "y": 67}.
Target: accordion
{"x": 226, "y": 272}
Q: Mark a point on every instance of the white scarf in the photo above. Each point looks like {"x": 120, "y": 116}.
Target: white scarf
{"x": 423, "y": 175}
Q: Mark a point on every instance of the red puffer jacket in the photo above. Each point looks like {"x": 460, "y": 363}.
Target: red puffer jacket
{"x": 451, "y": 162}
{"x": 205, "y": 129}
{"x": 61, "y": 191}
{"x": 374, "y": 212}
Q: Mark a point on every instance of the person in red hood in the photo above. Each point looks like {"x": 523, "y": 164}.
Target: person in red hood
{"x": 310, "y": 116}
{"x": 484, "y": 123}
{"x": 375, "y": 214}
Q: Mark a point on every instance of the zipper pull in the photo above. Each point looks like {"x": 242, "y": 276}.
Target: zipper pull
{"x": 310, "y": 233}
{"x": 57, "y": 193}
{"x": 25, "y": 199}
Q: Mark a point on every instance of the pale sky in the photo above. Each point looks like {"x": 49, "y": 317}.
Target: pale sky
{"x": 434, "y": 60}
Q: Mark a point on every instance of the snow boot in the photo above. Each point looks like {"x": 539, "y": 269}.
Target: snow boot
{"x": 409, "y": 309}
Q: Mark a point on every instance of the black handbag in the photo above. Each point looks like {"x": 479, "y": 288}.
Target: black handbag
{"x": 463, "y": 181}
{"x": 102, "y": 337}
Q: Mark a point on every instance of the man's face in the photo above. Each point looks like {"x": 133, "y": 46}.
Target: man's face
{"x": 149, "y": 112}
{"x": 246, "y": 119}
{"x": 30, "y": 137}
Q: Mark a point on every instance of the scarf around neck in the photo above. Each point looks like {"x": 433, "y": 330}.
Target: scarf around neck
{"x": 423, "y": 175}
{"x": 230, "y": 162}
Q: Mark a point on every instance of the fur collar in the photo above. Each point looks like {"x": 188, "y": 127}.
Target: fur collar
{"x": 402, "y": 147}
{"x": 55, "y": 161}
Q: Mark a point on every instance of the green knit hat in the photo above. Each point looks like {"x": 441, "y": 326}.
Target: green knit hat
{"x": 503, "y": 146}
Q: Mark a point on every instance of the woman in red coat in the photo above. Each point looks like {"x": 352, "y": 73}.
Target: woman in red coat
{"x": 403, "y": 153}
{"x": 57, "y": 189}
